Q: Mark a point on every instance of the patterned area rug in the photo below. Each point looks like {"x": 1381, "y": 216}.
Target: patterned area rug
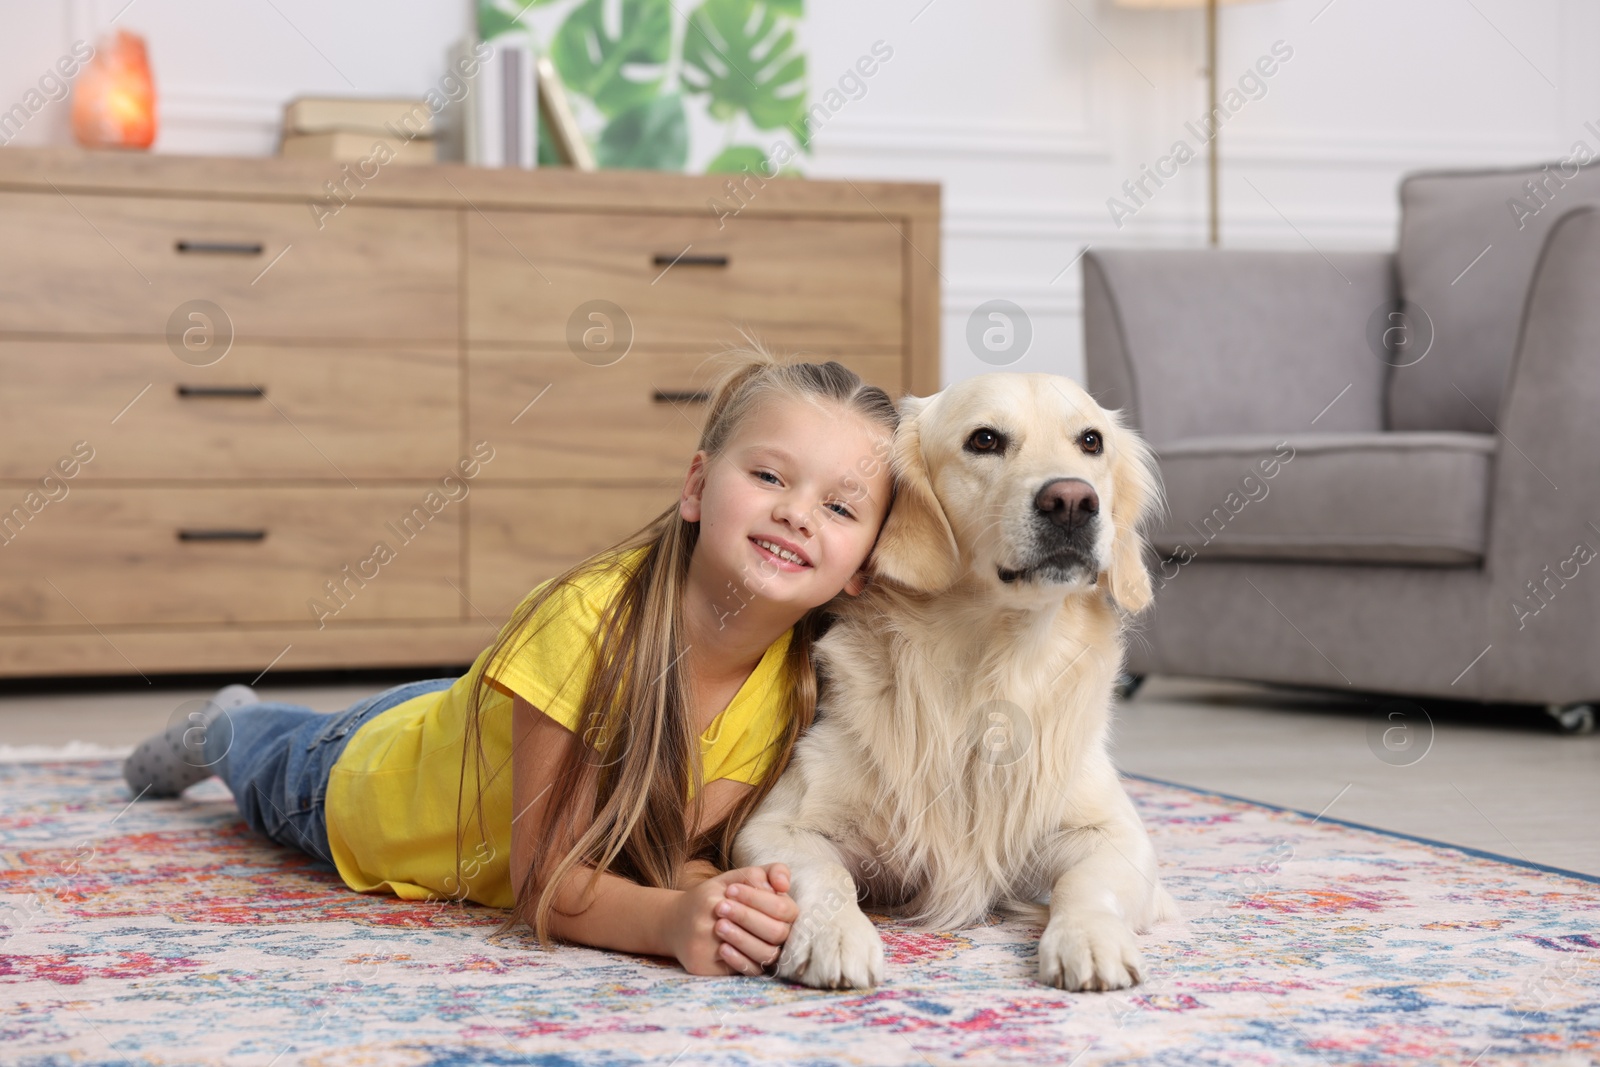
{"x": 165, "y": 933}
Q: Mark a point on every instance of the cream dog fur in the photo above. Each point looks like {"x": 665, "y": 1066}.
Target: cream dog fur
{"x": 959, "y": 760}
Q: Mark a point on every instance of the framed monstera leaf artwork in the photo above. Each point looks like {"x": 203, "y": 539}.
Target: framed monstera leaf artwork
{"x": 709, "y": 86}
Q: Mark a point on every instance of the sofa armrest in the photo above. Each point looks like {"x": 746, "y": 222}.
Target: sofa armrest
{"x": 1543, "y": 553}
{"x": 1195, "y": 342}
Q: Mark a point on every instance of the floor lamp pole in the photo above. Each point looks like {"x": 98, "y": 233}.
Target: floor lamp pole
{"x": 1211, "y": 110}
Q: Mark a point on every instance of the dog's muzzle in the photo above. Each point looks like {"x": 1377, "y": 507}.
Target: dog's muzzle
{"x": 1067, "y": 513}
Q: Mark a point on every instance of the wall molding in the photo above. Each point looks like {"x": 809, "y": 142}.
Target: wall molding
{"x": 1034, "y": 297}
{"x": 197, "y": 105}
{"x": 1332, "y": 149}
{"x": 911, "y": 135}
{"x": 1023, "y": 221}
{"x": 1344, "y": 150}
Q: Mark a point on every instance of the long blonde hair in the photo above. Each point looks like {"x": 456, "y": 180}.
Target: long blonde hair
{"x": 642, "y": 716}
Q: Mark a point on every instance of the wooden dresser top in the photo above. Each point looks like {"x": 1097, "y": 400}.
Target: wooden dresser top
{"x": 455, "y": 185}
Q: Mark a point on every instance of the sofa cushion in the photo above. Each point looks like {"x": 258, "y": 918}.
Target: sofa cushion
{"x": 1469, "y": 243}
{"x": 1411, "y": 498}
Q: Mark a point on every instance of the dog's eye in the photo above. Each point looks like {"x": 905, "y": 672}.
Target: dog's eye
{"x": 984, "y": 439}
{"x": 1091, "y": 442}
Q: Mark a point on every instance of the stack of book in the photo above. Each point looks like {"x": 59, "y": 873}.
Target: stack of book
{"x": 489, "y": 118}
{"x": 327, "y": 127}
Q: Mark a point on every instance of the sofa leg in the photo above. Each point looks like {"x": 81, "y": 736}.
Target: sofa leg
{"x": 1127, "y": 685}
{"x": 1572, "y": 718}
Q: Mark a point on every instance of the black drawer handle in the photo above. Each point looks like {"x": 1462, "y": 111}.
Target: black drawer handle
{"x": 222, "y": 535}
{"x": 672, "y": 396}
{"x": 244, "y": 392}
{"x": 691, "y": 261}
{"x": 222, "y": 248}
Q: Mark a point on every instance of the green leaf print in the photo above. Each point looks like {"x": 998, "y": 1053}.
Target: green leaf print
{"x": 801, "y": 129}
{"x": 738, "y": 158}
{"x": 500, "y": 16}
{"x": 614, "y": 51}
{"x": 744, "y": 57}
{"x": 747, "y": 159}
{"x": 652, "y": 136}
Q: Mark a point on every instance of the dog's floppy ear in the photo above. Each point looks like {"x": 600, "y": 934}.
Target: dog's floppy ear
{"x": 1135, "y": 497}
{"x": 916, "y": 547}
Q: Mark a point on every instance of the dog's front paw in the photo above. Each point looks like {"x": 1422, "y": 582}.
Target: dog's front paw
{"x": 832, "y": 946}
{"x": 1089, "y": 950}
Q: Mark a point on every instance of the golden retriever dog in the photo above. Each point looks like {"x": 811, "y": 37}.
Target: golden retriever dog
{"x": 959, "y": 762}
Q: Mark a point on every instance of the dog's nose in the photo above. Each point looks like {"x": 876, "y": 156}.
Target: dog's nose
{"x": 1068, "y": 502}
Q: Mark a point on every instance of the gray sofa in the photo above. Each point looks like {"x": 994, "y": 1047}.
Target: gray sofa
{"x": 1382, "y": 468}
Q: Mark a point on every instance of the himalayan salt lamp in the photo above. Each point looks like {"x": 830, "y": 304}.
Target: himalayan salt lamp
{"x": 114, "y": 101}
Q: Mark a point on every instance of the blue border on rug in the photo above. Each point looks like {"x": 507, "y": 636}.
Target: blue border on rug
{"x": 1512, "y": 860}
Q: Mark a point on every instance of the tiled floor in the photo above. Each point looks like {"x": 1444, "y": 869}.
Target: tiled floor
{"x": 1500, "y": 783}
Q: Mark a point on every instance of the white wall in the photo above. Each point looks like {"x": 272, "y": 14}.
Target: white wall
{"x": 1032, "y": 113}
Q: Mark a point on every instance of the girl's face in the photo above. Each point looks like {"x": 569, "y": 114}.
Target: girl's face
{"x": 797, "y": 480}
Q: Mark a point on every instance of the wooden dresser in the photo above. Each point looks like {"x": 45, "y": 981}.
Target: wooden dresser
{"x": 252, "y": 419}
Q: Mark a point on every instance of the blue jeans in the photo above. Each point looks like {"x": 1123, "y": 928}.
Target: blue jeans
{"x": 276, "y": 758}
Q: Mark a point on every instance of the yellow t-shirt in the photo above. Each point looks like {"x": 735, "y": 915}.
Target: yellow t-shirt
{"x": 391, "y": 802}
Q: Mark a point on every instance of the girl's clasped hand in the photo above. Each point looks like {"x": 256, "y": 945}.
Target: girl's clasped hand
{"x": 735, "y": 922}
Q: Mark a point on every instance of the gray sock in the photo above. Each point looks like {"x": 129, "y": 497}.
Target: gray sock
{"x": 167, "y": 763}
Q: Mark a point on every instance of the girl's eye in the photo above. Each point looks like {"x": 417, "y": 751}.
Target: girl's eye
{"x": 843, "y": 510}
{"x": 767, "y": 474}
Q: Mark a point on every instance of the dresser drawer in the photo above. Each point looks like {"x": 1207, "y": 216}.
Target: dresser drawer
{"x": 556, "y": 418}
{"x": 113, "y": 557}
{"x": 681, "y": 280}
{"x": 266, "y": 411}
{"x": 521, "y": 536}
{"x": 125, "y": 265}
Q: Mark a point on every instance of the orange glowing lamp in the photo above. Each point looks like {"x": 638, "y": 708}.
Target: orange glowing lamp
{"x": 114, "y": 101}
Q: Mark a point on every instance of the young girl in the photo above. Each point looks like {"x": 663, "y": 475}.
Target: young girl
{"x": 631, "y": 714}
